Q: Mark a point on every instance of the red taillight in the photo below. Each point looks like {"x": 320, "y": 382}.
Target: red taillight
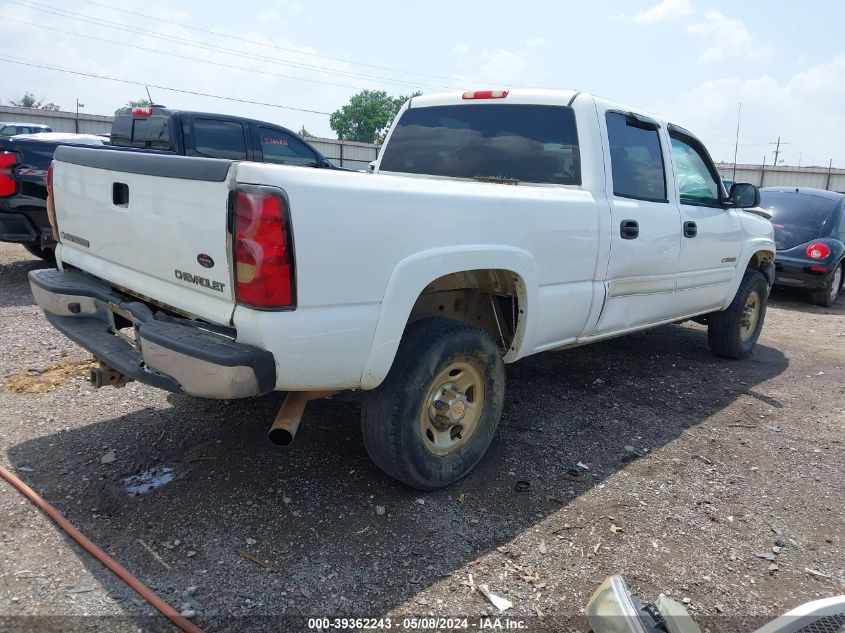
{"x": 8, "y": 184}
{"x": 485, "y": 94}
{"x": 8, "y": 160}
{"x": 818, "y": 250}
{"x": 263, "y": 245}
{"x": 818, "y": 269}
{"x": 139, "y": 111}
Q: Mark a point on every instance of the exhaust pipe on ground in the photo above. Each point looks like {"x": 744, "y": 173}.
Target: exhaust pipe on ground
{"x": 290, "y": 414}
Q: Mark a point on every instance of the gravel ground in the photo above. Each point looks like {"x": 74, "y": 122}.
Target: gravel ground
{"x": 696, "y": 467}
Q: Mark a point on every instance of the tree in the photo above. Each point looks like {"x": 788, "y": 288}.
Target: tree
{"x": 29, "y": 100}
{"x": 305, "y": 133}
{"x": 367, "y": 116}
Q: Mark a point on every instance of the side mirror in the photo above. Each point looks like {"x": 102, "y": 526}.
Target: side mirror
{"x": 744, "y": 195}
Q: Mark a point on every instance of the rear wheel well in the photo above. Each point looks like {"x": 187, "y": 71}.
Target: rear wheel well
{"x": 491, "y": 299}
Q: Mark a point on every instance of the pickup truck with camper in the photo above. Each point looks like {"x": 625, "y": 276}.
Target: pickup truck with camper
{"x": 496, "y": 225}
{"x": 24, "y": 159}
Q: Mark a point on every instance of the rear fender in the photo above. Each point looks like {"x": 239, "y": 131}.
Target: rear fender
{"x": 414, "y": 273}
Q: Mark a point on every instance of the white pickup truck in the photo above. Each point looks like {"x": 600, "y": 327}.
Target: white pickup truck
{"x": 497, "y": 224}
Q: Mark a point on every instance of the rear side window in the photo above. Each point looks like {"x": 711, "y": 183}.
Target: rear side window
{"x": 510, "y": 143}
{"x": 282, "y": 148}
{"x": 9, "y": 130}
{"x": 636, "y": 158}
{"x": 219, "y": 139}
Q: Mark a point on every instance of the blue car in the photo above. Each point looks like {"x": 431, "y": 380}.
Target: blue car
{"x": 810, "y": 240}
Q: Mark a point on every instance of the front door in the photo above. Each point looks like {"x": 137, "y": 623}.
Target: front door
{"x": 712, "y": 234}
{"x": 645, "y": 226}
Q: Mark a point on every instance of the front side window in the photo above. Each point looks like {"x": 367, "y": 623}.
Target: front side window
{"x": 696, "y": 183}
{"x": 497, "y": 142}
{"x": 636, "y": 158}
{"x": 8, "y": 130}
{"x": 219, "y": 139}
{"x": 284, "y": 149}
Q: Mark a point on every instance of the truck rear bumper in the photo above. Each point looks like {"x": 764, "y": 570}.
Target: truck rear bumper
{"x": 175, "y": 354}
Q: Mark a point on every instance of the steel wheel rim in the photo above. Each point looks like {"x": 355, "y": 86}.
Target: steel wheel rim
{"x": 835, "y": 283}
{"x": 750, "y": 316}
{"x": 452, "y": 409}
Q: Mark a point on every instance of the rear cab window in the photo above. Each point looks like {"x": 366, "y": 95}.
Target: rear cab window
{"x": 508, "y": 143}
{"x": 151, "y": 132}
{"x": 636, "y": 158}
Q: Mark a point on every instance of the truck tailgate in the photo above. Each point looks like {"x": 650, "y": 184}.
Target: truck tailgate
{"x": 152, "y": 224}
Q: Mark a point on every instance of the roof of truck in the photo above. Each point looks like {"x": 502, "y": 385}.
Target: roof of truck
{"x": 539, "y": 96}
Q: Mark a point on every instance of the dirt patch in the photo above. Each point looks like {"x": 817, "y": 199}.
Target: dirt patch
{"x": 52, "y": 376}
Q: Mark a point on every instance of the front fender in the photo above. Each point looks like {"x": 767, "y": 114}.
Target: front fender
{"x": 414, "y": 273}
{"x": 753, "y": 245}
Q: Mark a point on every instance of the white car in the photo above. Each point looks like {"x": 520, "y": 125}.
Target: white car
{"x": 497, "y": 225}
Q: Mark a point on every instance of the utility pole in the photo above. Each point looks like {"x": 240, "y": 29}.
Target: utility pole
{"x": 762, "y": 171}
{"x": 78, "y": 105}
{"x": 777, "y": 150}
{"x": 736, "y": 145}
{"x": 829, "y": 170}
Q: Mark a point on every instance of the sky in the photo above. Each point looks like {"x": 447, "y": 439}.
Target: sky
{"x": 689, "y": 61}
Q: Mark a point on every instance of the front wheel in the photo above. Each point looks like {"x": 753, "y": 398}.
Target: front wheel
{"x": 733, "y": 333}
{"x": 827, "y": 296}
{"x": 434, "y": 416}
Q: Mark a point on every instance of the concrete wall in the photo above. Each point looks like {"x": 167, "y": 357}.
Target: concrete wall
{"x": 344, "y": 153}
{"x": 59, "y": 121}
{"x": 782, "y": 176}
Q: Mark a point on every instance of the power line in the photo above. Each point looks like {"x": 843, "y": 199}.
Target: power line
{"x": 34, "y": 64}
{"x": 169, "y": 54}
{"x": 265, "y": 44}
{"x": 30, "y": 4}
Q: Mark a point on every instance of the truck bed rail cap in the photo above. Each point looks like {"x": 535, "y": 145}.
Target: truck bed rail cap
{"x": 147, "y": 164}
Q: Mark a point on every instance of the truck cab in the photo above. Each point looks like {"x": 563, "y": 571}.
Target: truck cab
{"x": 212, "y": 136}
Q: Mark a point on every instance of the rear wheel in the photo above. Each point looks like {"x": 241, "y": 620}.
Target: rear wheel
{"x": 733, "y": 333}
{"x": 47, "y": 254}
{"x": 433, "y": 418}
{"x": 828, "y": 296}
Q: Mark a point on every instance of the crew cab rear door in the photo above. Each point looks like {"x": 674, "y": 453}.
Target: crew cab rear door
{"x": 154, "y": 225}
{"x": 645, "y": 223}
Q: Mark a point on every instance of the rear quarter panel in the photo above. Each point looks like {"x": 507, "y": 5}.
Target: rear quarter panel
{"x": 367, "y": 245}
